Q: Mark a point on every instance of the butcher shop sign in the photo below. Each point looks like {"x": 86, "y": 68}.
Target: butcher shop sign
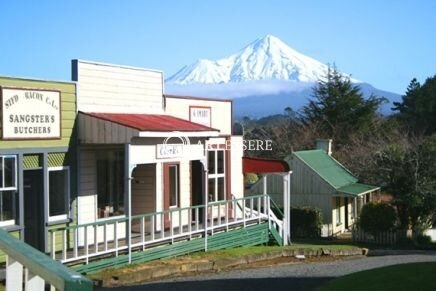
{"x": 30, "y": 114}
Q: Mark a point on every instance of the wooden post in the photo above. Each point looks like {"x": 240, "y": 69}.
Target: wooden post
{"x": 14, "y": 275}
{"x": 33, "y": 282}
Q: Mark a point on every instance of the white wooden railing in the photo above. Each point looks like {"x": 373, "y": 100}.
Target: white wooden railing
{"x": 84, "y": 242}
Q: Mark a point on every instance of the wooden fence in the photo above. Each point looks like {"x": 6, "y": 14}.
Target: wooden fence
{"x": 385, "y": 238}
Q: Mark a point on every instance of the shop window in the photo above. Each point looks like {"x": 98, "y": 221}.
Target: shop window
{"x": 8, "y": 190}
{"x": 174, "y": 185}
{"x": 59, "y": 193}
{"x": 216, "y": 175}
{"x": 110, "y": 183}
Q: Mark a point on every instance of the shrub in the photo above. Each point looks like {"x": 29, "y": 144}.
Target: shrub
{"x": 424, "y": 241}
{"x": 377, "y": 217}
{"x": 305, "y": 222}
{"x": 251, "y": 178}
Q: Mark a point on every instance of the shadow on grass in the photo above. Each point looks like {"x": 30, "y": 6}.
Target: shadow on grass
{"x": 255, "y": 284}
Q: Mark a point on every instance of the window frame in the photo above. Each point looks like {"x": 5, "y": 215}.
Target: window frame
{"x": 113, "y": 154}
{"x": 9, "y": 222}
{"x": 67, "y": 204}
{"x": 215, "y": 175}
{"x": 2, "y": 188}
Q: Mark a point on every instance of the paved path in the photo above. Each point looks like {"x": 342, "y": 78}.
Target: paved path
{"x": 301, "y": 276}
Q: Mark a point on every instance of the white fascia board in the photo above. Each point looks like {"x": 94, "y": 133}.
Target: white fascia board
{"x": 178, "y": 133}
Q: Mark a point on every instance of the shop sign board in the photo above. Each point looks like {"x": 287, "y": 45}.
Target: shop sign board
{"x": 30, "y": 114}
{"x": 200, "y": 115}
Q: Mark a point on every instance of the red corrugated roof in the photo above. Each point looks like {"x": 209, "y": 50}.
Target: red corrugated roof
{"x": 151, "y": 122}
{"x": 258, "y": 165}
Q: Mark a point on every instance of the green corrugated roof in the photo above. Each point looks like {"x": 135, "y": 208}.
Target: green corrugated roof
{"x": 333, "y": 172}
{"x": 327, "y": 168}
{"x": 357, "y": 188}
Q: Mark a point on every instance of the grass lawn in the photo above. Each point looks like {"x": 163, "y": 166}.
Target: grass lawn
{"x": 415, "y": 276}
{"x": 242, "y": 251}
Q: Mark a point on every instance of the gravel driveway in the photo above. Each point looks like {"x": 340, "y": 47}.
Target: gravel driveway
{"x": 301, "y": 276}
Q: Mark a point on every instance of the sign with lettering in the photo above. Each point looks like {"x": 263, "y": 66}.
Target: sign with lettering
{"x": 200, "y": 115}
{"x": 166, "y": 151}
{"x": 30, "y": 114}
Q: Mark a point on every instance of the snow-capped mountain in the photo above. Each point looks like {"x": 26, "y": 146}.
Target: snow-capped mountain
{"x": 267, "y": 58}
{"x": 263, "y": 78}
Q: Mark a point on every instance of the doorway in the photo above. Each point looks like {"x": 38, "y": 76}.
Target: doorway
{"x": 34, "y": 233}
{"x": 171, "y": 191}
{"x": 143, "y": 195}
{"x": 197, "y": 189}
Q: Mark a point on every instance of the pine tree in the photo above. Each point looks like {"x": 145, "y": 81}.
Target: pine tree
{"x": 339, "y": 108}
{"x": 418, "y": 107}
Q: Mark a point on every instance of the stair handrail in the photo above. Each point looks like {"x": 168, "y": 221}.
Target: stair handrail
{"x": 278, "y": 223}
{"x": 22, "y": 256}
{"x": 276, "y": 207}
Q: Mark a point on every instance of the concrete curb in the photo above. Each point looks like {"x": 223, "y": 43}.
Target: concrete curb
{"x": 165, "y": 269}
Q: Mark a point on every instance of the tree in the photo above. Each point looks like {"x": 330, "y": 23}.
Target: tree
{"x": 377, "y": 217}
{"x": 409, "y": 174}
{"x": 418, "y": 107}
{"x": 339, "y": 107}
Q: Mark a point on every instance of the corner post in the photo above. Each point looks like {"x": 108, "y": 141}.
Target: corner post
{"x": 128, "y": 169}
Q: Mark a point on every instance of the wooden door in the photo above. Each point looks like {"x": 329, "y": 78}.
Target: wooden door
{"x": 171, "y": 190}
{"x": 34, "y": 234}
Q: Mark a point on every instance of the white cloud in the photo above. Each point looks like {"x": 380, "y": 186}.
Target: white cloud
{"x": 237, "y": 90}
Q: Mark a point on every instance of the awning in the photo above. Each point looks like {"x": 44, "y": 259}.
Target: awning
{"x": 120, "y": 127}
{"x": 357, "y": 189}
{"x": 259, "y": 165}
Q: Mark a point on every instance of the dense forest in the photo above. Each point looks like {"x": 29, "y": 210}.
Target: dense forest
{"x": 397, "y": 151}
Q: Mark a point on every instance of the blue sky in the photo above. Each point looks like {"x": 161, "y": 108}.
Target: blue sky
{"x": 385, "y": 43}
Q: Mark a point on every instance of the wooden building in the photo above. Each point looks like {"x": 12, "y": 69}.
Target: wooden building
{"x": 320, "y": 181}
{"x": 37, "y": 157}
{"x": 107, "y": 170}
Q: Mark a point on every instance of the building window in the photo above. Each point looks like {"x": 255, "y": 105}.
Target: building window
{"x": 216, "y": 175}
{"x": 110, "y": 183}
{"x": 174, "y": 185}
{"x": 8, "y": 190}
{"x": 338, "y": 211}
{"x": 59, "y": 193}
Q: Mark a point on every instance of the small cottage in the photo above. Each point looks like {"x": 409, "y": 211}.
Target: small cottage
{"x": 320, "y": 181}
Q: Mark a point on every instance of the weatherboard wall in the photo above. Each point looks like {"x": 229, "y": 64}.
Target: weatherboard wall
{"x": 117, "y": 89}
{"x": 308, "y": 189}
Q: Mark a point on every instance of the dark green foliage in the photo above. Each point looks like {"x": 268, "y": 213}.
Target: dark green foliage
{"x": 423, "y": 241}
{"x": 339, "y": 108}
{"x": 418, "y": 107}
{"x": 305, "y": 222}
{"x": 376, "y": 218}
{"x": 409, "y": 174}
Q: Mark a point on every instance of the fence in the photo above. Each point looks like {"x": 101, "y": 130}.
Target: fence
{"x": 384, "y": 238}
{"x": 84, "y": 242}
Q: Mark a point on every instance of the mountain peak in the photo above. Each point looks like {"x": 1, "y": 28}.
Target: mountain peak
{"x": 266, "y": 58}
{"x": 269, "y": 39}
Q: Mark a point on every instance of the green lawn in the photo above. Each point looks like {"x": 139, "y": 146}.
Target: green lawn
{"x": 242, "y": 251}
{"x": 415, "y": 277}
